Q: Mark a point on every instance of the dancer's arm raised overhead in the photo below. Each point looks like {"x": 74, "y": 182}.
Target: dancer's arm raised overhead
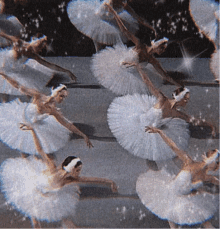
{"x": 137, "y": 17}
{"x": 50, "y": 164}
{"x": 180, "y": 153}
{"x": 154, "y": 91}
{"x": 25, "y": 90}
{"x": 122, "y": 27}
{"x": 163, "y": 73}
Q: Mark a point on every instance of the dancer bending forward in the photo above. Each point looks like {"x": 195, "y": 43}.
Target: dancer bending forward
{"x": 41, "y": 190}
{"x": 51, "y": 126}
{"x": 128, "y": 115}
{"x": 181, "y": 199}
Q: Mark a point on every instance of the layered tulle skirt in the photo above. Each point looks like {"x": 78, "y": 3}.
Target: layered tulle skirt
{"x": 130, "y": 114}
{"x": 161, "y": 194}
{"x": 113, "y": 69}
{"x": 27, "y": 74}
{"x": 52, "y": 135}
{"x": 27, "y": 188}
{"x": 203, "y": 14}
{"x": 92, "y": 19}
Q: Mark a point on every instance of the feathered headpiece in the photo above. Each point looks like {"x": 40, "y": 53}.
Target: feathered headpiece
{"x": 57, "y": 89}
{"x": 210, "y": 159}
{"x": 181, "y": 95}
{"x": 68, "y": 168}
{"x": 159, "y": 42}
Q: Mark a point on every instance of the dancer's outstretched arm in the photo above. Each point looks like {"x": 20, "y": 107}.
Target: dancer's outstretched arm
{"x": 25, "y": 90}
{"x": 122, "y": 27}
{"x": 55, "y": 67}
{"x": 97, "y": 180}
{"x": 51, "y": 165}
{"x": 211, "y": 179}
{"x": 13, "y": 39}
{"x": 194, "y": 121}
{"x": 161, "y": 71}
{"x": 154, "y": 91}
{"x": 138, "y": 18}
{"x": 63, "y": 121}
{"x": 180, "y": 153}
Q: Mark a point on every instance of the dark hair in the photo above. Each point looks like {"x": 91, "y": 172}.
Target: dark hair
{"x": 69, "y": 159}
{"x": 178, "y": 90}
{"x": 210, "y": 152}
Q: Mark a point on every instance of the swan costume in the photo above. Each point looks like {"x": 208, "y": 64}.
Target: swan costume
{"x": 28, "y": 75}
{"x": 93, "y": 19}
{"x": 28, "y": 189}
{"x": 51, "y": 133}
{"x": 110, "y": 69}
{"x": 171, "y": 197}
{"x": 129, "y": 115}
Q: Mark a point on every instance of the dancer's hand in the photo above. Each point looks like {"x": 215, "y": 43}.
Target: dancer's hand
{"x": 88, "y": 142}
{"x": 110, "y": 9}
{"x": 25, "y": 127}
{"x": 114, "y": 187}
{"x": 213, "y": 132}
{"x": 128, "y": 64}
{"x": 151, "y": 129}
{"x": 72, "y": 77}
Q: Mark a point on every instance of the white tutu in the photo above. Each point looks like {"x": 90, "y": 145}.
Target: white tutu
{"x": 171, "y": 197}
{"x": 214, "y": 65}
{"x": 92, "y": 19}
{"x": 129, "y": 115}
{"x": 51, "y": 133}
{"x": 27, "y": 75}
{"x": 9, "y": 25}
{"x": 27, "y": 188}
{"x": 203, "y": 13}
{"x": 111, "y": 72}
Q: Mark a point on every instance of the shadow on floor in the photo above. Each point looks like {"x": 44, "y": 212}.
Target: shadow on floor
{"x": 90, "y": 131}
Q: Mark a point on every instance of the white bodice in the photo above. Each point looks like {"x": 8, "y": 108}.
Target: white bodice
{"x": 31, "y": 114}
{"x": 183, "y": 185}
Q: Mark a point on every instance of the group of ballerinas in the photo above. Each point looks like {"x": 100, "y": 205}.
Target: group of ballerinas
{"x": 147, "y": 123}
{"x": 144, "y": 121}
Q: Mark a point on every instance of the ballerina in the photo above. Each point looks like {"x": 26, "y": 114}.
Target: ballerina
{"x": 129, "y": 114}
{"x": 52, "y": 127}
{"x": 181, "y": 199}
{"x": 206, "y": 16}
{"x": 22, "y": 50}
{"x": 114, "y": 66}
{"x": 93, "y": 19}
{"x": 41, "y": 190}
